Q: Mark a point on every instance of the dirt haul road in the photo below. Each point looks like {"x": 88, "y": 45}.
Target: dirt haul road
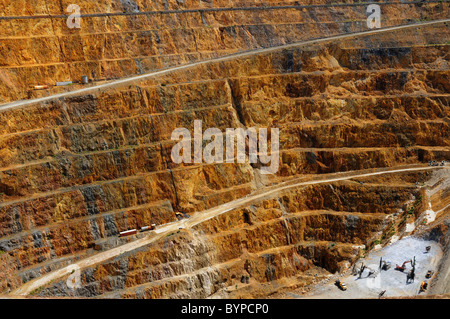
{"x": 198, "y": 218}
{"x": 130, "y": 80}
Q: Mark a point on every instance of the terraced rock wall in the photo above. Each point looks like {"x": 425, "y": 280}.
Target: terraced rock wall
{"x": 120, "y": 43}
{"x": 275, "y": 244}
{"x": 77, "y": 171}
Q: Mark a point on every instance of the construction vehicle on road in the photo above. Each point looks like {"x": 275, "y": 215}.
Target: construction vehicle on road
{"x": 358, "y": 270}
{"x": 145, "y": 228}
{"x": 385, "y": 265}
{"x": 341, "y": 285}
{"x": 410, "y": 276}
{"x": 372, "y": 273}
{"x": 423, "y": 286}
{"x": 403, "y": 266}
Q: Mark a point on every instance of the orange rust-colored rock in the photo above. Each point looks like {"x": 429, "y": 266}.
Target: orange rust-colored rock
{"x": 76, "y": 171}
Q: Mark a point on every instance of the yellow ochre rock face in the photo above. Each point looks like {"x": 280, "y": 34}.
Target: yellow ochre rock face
{"x": 76, "y": 171}
{"x": 45, "y": 51}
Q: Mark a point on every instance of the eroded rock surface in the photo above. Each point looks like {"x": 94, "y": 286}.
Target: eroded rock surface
{"x": 78, "y": 170}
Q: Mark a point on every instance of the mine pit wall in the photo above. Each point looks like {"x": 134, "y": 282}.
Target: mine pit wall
{"x": 76, "y": 172}
{"x": 441, "y": 234}
{"x": 437, "y": 196}
{"x": 277, "y": 243}
{"x": 45, "y": 51}
{"x": 79, "y": 184}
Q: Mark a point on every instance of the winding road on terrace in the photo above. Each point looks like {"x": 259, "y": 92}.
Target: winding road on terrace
{"x": 203, "y": 216}
{"x": 199, "y": 218}
{"x": 129, "y": 80}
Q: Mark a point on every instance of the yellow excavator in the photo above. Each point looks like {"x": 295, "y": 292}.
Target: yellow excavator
{"x": 341, "y": 285}
{"x": 423, "y": 286}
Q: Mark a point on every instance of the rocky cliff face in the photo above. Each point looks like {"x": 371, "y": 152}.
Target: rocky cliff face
{"x": 275, "y": 244}
{"x": 121, "y": 42}
{"x": 77, "y": 171}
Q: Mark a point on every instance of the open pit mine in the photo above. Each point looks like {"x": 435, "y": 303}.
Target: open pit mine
{"x": 99, "y": 198}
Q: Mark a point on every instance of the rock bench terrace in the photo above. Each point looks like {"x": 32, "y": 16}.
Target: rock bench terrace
{"x": 360, "y": 114}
